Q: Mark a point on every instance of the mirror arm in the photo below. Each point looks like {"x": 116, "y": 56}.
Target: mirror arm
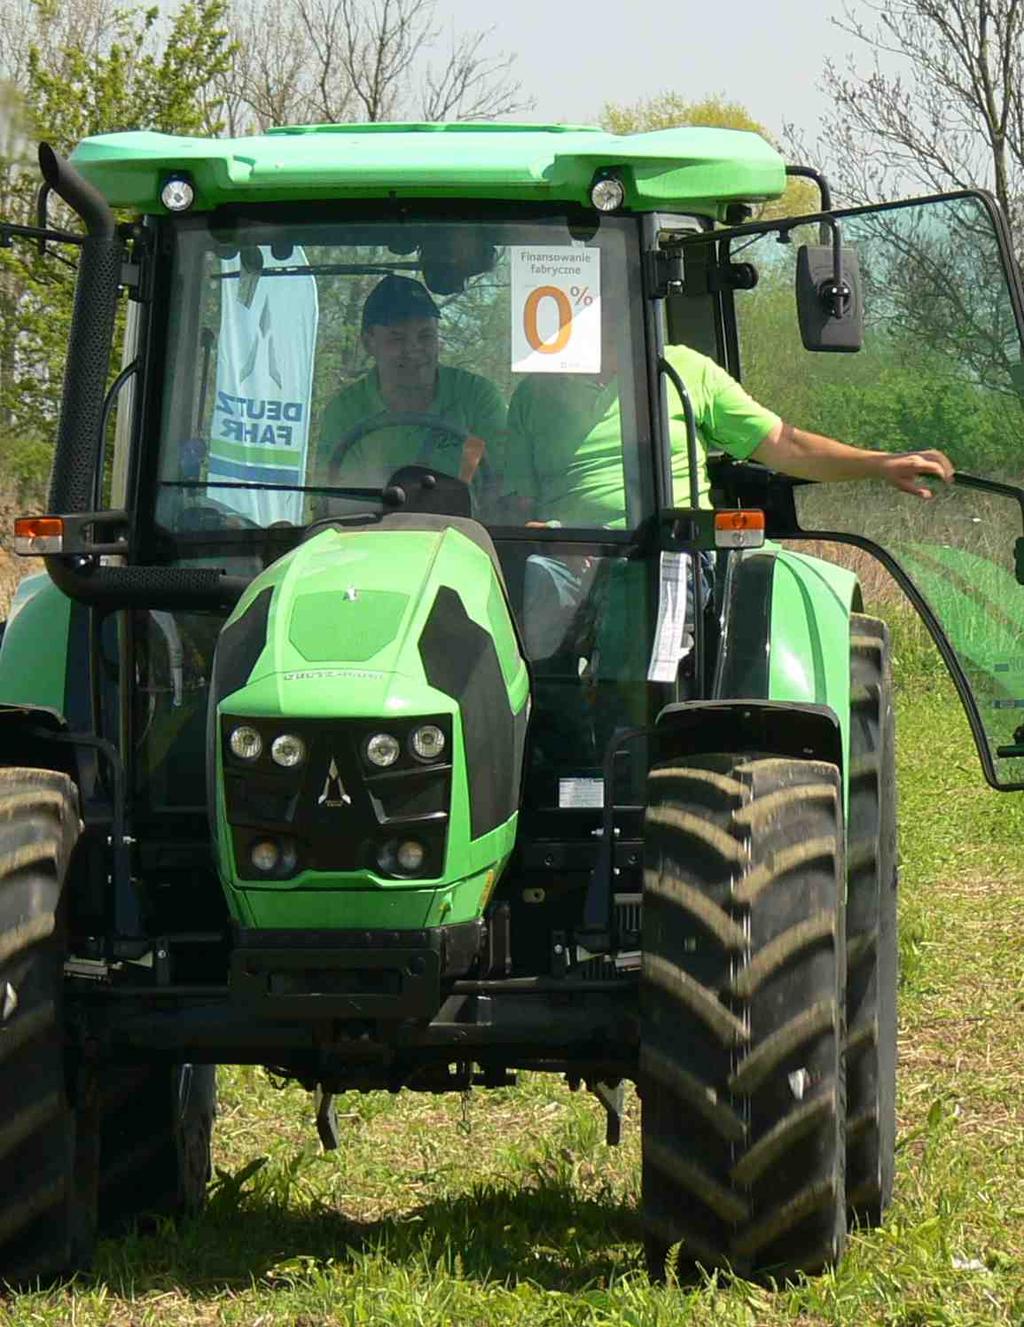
{"x": 809, "y": 173}
{"x": 836, "y": 293}
{"x": 839, "y": 292}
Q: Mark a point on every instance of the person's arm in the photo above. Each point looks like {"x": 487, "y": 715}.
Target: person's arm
{"x": 804, "y": 455}
{"x": 517, "y": 482}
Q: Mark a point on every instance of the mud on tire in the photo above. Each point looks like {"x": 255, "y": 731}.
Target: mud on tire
{"x": 741, "y": 1002}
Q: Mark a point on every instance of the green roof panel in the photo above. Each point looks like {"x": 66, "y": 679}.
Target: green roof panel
{"x": 696, "y": 169}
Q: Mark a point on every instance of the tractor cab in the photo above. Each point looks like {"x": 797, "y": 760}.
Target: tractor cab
{"x": 426, "y": 686}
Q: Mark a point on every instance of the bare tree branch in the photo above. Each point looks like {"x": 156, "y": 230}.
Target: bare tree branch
{"x": 471, "y": 85}
{"x": 339, "y": 60}
{"x": 951, "y": 114}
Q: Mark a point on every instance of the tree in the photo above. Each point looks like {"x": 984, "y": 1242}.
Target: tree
{"x": 948, "y": 114}
{"x": 668, "y": 110}
{"x": 142, "y": 77}
{"x": 333, "y": 61}
{"x": 81, "y": 68}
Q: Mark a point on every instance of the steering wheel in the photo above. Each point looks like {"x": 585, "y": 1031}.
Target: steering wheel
{"x": 203, "y": 516}
{"x": 472, "y": 447}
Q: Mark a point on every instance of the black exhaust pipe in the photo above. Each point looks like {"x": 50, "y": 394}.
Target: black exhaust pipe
{"x": 92, "y": 333}
{"x": 82, "y": 197}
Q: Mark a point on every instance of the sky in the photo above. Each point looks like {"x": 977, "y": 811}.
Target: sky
{"x": 765, "y": 54}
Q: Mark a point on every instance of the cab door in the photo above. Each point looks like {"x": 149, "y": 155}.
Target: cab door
{"x": 940, "y": 367}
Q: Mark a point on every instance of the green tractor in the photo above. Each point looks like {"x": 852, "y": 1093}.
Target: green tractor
{"x": 377, "y": 740}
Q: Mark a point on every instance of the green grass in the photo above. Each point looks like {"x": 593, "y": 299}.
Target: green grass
{"x": 518, "y": 1213}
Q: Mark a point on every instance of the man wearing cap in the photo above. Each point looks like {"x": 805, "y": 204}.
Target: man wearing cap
{"x": 400, "y": 333}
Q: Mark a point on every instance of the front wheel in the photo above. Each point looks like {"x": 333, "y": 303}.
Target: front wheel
{"x": 742, "y": 991}
{"x": 155, "y": 1136}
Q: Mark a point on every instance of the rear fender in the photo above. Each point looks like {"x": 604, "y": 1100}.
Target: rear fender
{"x": 34, "y": 651}
{"x": 32, "y": 737}
{"x": 786, "y": 634}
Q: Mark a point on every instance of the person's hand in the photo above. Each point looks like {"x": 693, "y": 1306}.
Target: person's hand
{"x": 906, "y": 470}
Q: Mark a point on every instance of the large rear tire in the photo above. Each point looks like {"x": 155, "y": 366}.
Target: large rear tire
{"x": 47, "y": 1209}
{"x": 871, "y": 927}
{"x": 742, "y": 993}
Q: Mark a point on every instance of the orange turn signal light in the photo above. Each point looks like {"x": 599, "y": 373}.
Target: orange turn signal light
{"x": 739, "y": 529}
{"x": 38, "y": 535}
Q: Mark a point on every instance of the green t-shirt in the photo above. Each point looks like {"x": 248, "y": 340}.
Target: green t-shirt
{"x": 464, "y": 398}
{"x": 565, "y": 438}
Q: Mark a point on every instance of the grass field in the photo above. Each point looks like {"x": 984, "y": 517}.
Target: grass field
{"x": 510, "y": 1209}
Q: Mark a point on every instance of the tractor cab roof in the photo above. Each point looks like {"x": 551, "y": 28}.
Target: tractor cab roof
{"x": 687, "y": 169}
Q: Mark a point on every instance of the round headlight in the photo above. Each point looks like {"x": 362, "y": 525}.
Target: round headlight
{"x": 410, "y": 855}
{"x": 177, "y": 195}
{"x": 288, "y": 750}
{"x": 428, "y": 741}
{"x": 245, "y": 742}
{"x": 265, "y": 855}
{"x": 608, "y": 194}
{"x": 382, "y": 750}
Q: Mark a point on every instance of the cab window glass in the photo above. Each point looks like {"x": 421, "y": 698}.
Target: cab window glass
{"x": 940, "y": 368}
{"x": 308, "y": 364}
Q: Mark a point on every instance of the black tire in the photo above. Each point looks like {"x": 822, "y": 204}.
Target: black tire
{"x": 741, "y": 1071}
{"x": 46, "y": 1211}
{"x": 157, "y": 1125}
{"x": 871, "y": 927}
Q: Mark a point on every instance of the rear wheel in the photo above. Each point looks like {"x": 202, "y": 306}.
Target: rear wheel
{"x": 46, "y": 1207}
{"x": 157, "y": 1124}
{"x": 871, "y": 927}
{"x": 741, "y": 1002}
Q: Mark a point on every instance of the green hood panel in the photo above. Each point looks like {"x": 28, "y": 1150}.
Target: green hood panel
{"x": 353, "y": 626}
{"x": 362, "y": 597}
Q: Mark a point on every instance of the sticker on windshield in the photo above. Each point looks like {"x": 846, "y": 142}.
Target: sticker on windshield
{"x": 556, "y": 309}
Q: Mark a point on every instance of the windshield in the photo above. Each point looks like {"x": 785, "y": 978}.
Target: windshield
{"x": 308, "y": 365}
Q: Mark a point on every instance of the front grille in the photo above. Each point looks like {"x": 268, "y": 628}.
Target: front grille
{"x": 336, "y": 812}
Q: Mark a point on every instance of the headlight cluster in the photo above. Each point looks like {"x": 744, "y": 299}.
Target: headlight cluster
{"x": 401, "y": 857}
{"x": 286, "y": 749}
{"x": 427, "y": 743}
{"x": 273, "y": 856}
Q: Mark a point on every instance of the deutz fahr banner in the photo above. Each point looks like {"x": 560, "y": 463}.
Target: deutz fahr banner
{"x": 259, "y": 432}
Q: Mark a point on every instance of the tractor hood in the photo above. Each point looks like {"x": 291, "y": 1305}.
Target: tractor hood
{"x": 344, "y": 618}
{"x": 347, "y": 646}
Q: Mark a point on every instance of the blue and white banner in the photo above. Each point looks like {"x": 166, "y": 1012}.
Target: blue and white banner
{"x": 260, "y": 428}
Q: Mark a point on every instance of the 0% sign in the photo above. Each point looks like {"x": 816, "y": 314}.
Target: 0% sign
{"x": 556, "y": 309}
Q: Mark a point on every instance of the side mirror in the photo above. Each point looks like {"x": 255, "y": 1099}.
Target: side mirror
{"x": 830, "y": 311}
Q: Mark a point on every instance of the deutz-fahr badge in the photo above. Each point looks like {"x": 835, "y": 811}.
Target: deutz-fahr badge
{"x": 334, "y": 793}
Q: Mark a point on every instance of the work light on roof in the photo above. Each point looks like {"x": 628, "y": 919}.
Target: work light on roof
{"x": 607, "y": 193}
{"x": 177, "y": 194}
